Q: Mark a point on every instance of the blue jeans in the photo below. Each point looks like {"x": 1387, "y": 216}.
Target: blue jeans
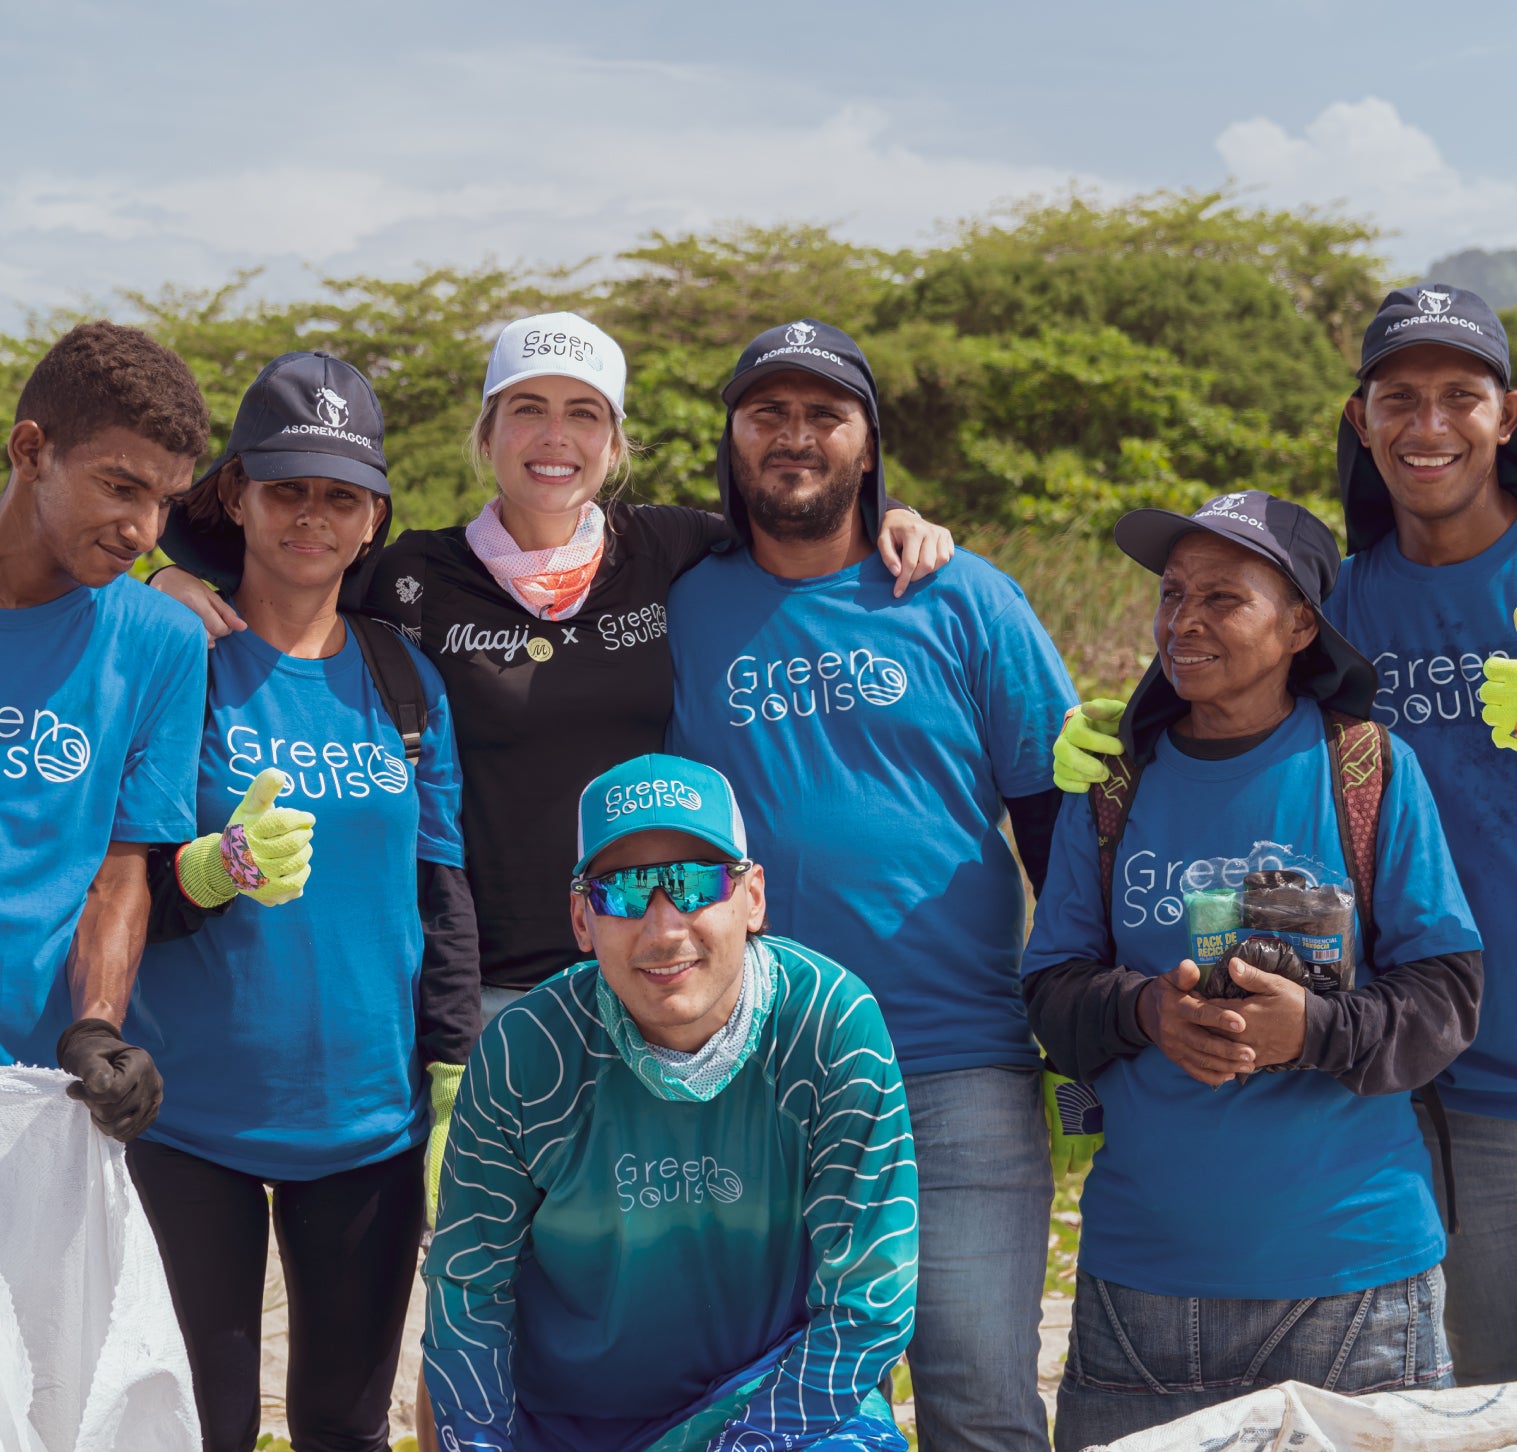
{"x": 985, "y": 1191}
{"x": 1137, "y": 1360}
{"x": 492, "y": 1000}
{"x": 1481, "y": 1265}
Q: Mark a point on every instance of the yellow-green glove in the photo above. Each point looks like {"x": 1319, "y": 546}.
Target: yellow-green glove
{"x": 1075, "y": 1119}
{"x": 445, "y": 1080}
{"x": 1090, "y": 732}
{"x": 265, "y": 852}
{"x": 1499, "y": 693}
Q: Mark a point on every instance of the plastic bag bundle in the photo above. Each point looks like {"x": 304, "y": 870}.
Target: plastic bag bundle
{"x": 1270, "y": 955}
{"x": 1295, "y": 920}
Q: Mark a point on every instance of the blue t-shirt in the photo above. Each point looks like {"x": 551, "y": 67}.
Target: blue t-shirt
{"x": 1287, "y": 1185}
{"x": 870, "y": 742}
{"x": 286, "y": 1036}
{"x": 101, "y": 698}
{"x": 1428, "y": 628}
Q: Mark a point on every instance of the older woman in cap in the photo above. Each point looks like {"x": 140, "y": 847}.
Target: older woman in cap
{"x": 292, "y": 1012}
{"x": 1244, "y": 1227}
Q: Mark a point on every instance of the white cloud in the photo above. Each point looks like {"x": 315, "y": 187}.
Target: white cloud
{"x": 1363, "y": 156}
{"x": 579, "y": 156}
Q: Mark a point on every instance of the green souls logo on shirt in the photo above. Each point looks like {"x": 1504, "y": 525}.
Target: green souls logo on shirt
{"x": 769, "y": 691}
{"x": 57, "y": 751}
{"x": 648, "y": 1184}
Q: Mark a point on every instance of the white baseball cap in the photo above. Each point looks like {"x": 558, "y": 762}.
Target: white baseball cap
{"x": 561, "y": 345}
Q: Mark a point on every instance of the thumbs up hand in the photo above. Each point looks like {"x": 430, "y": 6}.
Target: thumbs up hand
{"x": 264, "y": 853}
{"x": 1499, "y": 698}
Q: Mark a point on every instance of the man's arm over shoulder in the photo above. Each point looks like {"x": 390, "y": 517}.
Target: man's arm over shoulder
{"x": 685, "y": 536}
{"x": 860, "y": 1214}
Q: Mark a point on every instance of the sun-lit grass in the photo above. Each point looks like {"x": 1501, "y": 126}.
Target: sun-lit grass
{"x": 1095, "y": 602}
{"x": 1063, "y": 1239}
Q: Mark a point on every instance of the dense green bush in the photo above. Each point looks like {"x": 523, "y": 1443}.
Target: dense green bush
{"x": 1049, "y": 367}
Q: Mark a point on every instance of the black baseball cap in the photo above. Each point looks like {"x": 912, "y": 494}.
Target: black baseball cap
{"x": 1452, "y": 317}
{"x": 1437, "y": 312}
{"x": 306, "y": 416}
{"x": 808, "y": 346}
{"x": 1302, "y": 548}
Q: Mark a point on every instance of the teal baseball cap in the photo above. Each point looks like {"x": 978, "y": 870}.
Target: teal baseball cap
{"x": 659, "y": 793}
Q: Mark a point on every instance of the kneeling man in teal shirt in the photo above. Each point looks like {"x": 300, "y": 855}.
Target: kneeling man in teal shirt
{"x": 678, "y": 1207}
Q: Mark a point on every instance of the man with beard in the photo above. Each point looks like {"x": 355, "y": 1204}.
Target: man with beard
{"x": 880, "y": 742}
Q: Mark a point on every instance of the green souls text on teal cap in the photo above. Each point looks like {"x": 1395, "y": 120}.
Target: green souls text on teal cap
{"x": 655, "y": 793}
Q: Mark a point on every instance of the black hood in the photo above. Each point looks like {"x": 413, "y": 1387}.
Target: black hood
{"x": 1302, "y": 548}
{"x": 810, "y": 347}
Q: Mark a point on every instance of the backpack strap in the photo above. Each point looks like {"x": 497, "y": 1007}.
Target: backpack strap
{"x": 1432, "y": 1101}
{"x": 1359, "y": 753}
{"x": 1110, "y": 803}
{"x": 1360, "y": 756}
{"x": 396, "y": 679}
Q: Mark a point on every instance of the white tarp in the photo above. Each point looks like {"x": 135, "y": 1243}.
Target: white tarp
{"x": 91, "y": 1359}
{"x": 1293, "y": 1417}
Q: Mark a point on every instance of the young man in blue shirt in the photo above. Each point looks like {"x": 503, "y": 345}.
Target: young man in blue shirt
{"x": 879, "y": 743}
{"x": 1426, "y": 467}
{"x": 102, "y": 687}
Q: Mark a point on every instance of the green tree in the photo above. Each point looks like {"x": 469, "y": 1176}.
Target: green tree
{"x": 1048, "y": 366}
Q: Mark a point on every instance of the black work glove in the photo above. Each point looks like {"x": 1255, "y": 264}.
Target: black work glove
{"x": 118, "y": 1082}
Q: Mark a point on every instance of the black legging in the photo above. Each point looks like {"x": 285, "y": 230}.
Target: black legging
{"x": 348, "y": 1244}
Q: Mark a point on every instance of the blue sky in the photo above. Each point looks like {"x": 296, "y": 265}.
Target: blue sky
{"x": 173, "y": 143}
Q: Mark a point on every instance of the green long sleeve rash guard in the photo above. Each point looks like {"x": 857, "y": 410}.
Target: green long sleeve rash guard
{"x": 611, "y": 1266}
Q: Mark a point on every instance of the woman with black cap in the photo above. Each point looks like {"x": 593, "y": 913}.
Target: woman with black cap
{"x": 1241, "y": 1228}
{"x": 292, "y": 1030}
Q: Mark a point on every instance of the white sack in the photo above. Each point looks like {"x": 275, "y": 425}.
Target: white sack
{"x": 1293, "y": 1417}
{"x": 91, "y": 1359}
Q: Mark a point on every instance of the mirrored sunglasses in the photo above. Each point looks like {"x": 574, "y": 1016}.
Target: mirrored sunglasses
{"x": 690, "y": 886}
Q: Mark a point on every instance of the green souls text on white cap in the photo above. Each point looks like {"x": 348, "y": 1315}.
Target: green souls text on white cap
{"x": 559, "y": 345}
{"x": 659, "y": 793}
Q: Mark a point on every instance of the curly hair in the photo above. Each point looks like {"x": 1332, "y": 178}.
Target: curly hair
{"x": 101, "y": 375}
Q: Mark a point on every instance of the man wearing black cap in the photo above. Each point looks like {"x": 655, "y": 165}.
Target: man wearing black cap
{"x": 1427, "y": 471}
{"x": 880, "y": 743}
{"x": 99, "y": 717}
